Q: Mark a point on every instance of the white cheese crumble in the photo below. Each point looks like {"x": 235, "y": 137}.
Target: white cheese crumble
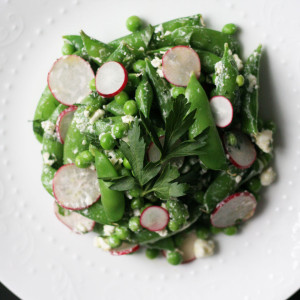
{"x": 47, "y": 160}
{"x": 219, "y": 67}
{"x": 100, "y": 242}
{"x": 267, "y": 177}
{"x": 167, "y": 33}
{"x": 252, "y": 83}
{"x": 92, "y": 167}
{"x": 164, "y": 205}
{"x": 125, "y": 139}
{"x": 156, "y": 62}
{"x": 238, "y": 179}
{"x": 48, "y": 127}
{"x": 264, "y": 140}
{"x": 186, "y": 169}
{"x": 203, "y": 248}
{"x": 162, "y": 233}
{"x": 81, "y": 228}
{"x": 99, "y": 113}
{"x": 159, "y": 28}
{"x": 108, "y": 230}
{"x": 238, "y": 62}
{"x": 160, "y": 73}
{"x": 84, "y": 142}
{"x": 127, "y": 119}
{"x": 86, "y": 113}
{"x": 141, "y": 49}
{"x": 136, "y": 212}
{"x": 112, "y": 156}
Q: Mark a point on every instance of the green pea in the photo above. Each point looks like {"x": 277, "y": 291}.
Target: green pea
{"x": 232, "y": 230}
{"x": 232, "y": 140}
{"x": 174, "y": 225}
{"x": 133, "y": 23}
{"x": 135, "y": 192}
{"x": 126, "y": 164}
{"x": 121, "y": 98}
{"x": 125, "y": 172}
{"x": 134, "y": 224}
{"x": 137, "y": 203}
{"x": 119, "y": 130}
{"x": 254, "y": 185}
{"x": 130, "y": 108}
{"x": 114, "y": 241}
{"x": 240, "y": 80}
{"x": 176, "y": 91}
{"x": 215, "y": 230}
{"x": 199, "y": 197}
{"x": 229, "y": 28}
{"x": 203, "y": 233}
{"x": 139, "y": 66}
{"x": 67, "y": 49}
{"x": 174, "y": 257}
{"x": 107, "y": 142}
{"x": 152, "y": 253}
{"x": 122, "y": 232}
{"x": 84, "y": 159}
{"x": 91, "y": 109}
{"x": 92, "y": 85}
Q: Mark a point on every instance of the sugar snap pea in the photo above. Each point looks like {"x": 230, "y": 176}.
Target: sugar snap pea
{"x": 47, "y": 177}
{"x": 115, "y": 108}
{"x": 144, "y": 96}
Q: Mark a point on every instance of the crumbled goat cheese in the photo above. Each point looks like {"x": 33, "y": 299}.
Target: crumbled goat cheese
{"x": 127, "y": 119}
{"x": 99, "y": 113}
{"x": 186, "y": 169}
{"x": 252, "y": 83}
{"x": 100, "y": 242}
{"x": 164, "y": 205}
{"x": 112, "y": 156}
{"x": 125, "y": 139}
{"x": 238, "y": 62}
{"x": 160, "y": 73}
{"x": 264, "y": 140}
{"x": 238, "y": 179}
{"x": 128, "y": 195}
{"x": 48, "y": 127}
{"x": 86, "y": 113}
{"x": 219, "y": 67}
{"x": 193, "y": 161}
{"x": 167, "y": 33}
{"x": 229, "y": 52}
{"x": 141, "y": 49}
{"x": 84, "y": 142}
{"x": 203, "y": 248}
{"x": 159, "y": 28}
{"x": 92, "y": 167}
{"x": 156, "y": 62}
{"x": 81, "y": 228}
{"x": 162, "y": 233}
{"x": 108, "y": 230}
{"x": 136, "y": 212}
{"x": 267, "y": 177}
{"x": 47, "y": 160}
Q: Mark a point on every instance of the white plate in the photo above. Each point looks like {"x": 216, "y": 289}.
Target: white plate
{"x": 40, "y": 259}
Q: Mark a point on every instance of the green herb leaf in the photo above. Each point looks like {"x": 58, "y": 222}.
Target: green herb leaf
{"x": 149, "y": 172}
{"x": 123, "y": 184}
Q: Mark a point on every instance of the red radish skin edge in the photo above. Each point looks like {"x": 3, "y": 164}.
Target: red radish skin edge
{"x": 231, "y": 111}
{"x": 152, "y": 145}
{"x": 74, "y": 209}
{"x": 62, "y": 114}
{"x": 183, "y": 262}
{"x": 60, "y": 220}
{"x": 124, "y": 252}
{"x": 122, "y": 86}
{"x": 51, "y": 70}
{"x": 226, "y": 200}
{"x": 165, "y": 223}
{"x": 179, "y": 46}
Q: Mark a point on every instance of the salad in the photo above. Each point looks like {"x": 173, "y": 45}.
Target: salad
{"x": 154, "y": 140}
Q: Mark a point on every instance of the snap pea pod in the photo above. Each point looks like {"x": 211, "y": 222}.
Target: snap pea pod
{"x": 96, "y": 212}
{"x": 115, "y": 108}
{"x": 112, "y": 201}
{"x": 144, "y": 96}
{"x": 105, "y": 125}
{"x": 47, "y": 177}
{"x": 225, "y": 81}
{"x": 208, "y": 60}
{"x": 96, "y": 50}
{"x": 213, "y": 156}
{"x": 250, "y": 96}
{"x": 200, "y": 38}
{"x": 161, "y": 90}
{"x": 74, "y": 40}
{"x": 44, "y": 109}
{"x": 136, "y": 39}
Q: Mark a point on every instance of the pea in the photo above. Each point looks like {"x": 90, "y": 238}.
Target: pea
{"x": 121, "y": 98}
{"x": 92, "y": 85}
{"x": 232, "y": 230}
{"x": 122, "y": 232}
{"x": 174, "y": 257}
{"x": 139, "y": 66}
{"x": 174, "y": 225}
{"x": 130, "y": 108}
{"x": 107, "y": 142}
{"x": 135, "y": 192}
{"x": 137, "y": 203}
{"x": 240, "y": 80}
{"x": 126, "y": 164}
{"x": 125, "y": 172}
{"x": 84, "y": 159}
{"x": 215, "y": 230}
{"x": 199, "y": 197}
{"x": 133, "y": 23}
{"x": 152, "y": 253}
{"x": 232, "y": 140}
{"x": 91, "y": 109}
{"x": 254, "y": 185}
{"x": 67, "y": 49}
{"x": 113, "y": 241}
{"x": 229, "y": 28}
{"x": 176, "y": 91}
{"x": 134, "y": 224}
{"x": 119, "y": 130}
{"x": 202, "y": 233}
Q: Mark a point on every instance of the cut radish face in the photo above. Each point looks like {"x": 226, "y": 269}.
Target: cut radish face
{"x": 69, "y": 79}
{"x": 187, "y": 247}
{"x": 111, "y": 79}
{"x": 222, "y": 111}
{"x": 154, "y": 218}
{"x": 124, "y": 249}
{"x": 75, "y": 188}
{"x": 178, "y": 63}
{"x": 235, "y": 208}
{"x": 76, "y": 222}
{"x": 242, "y": 153}
{"x": 63, "y": 122}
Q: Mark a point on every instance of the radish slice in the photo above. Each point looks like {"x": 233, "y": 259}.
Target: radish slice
{"x": 154, "y": 218}
{"x": 243, "y": 154}
{"x": 63, "y": 122}
{"x": 69, "y": 79}
{"x": 75, "y": 188}
{"x": 124, "y": 249}
{"x": 111, "y": 79}
{"x": 236, "y": 207}
{"x": 76, "y": 222}
{"x": 187, "y": 247}
{"x": 222, "y": 111}
{"x": 178, "y": 63}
